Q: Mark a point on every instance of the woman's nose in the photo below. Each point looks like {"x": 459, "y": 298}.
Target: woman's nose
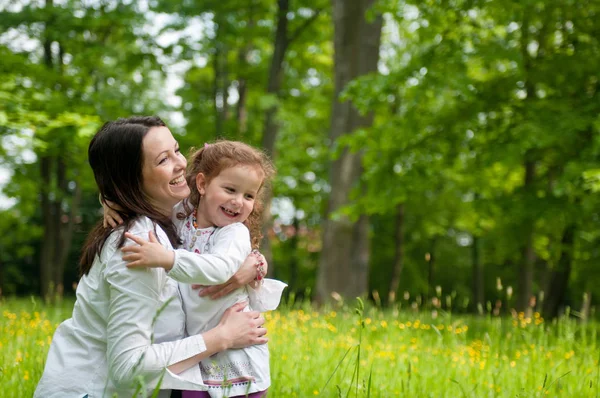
{"x": 182, "y": 162}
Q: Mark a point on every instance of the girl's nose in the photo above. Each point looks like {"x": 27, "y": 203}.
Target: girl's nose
{"x": 236, "y": 200}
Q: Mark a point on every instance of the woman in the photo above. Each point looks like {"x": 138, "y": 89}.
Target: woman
{"x": 126, "y": 335}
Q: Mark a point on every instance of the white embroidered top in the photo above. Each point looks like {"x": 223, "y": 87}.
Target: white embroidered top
{"x": 232, "y": 372}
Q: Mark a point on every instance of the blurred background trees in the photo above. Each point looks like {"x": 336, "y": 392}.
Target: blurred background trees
{"x": 439, "y": 153}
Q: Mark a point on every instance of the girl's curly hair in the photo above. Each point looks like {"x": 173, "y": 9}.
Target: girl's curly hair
{"x": 218, "y": 156}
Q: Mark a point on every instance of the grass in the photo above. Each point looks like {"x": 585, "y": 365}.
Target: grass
{"x": 367, "y": 352}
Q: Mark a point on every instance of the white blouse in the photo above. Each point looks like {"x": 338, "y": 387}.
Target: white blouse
{"x": 127, "y": 327}
{"x": 244, "y": 370}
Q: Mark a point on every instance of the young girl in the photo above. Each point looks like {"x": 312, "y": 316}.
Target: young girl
{"x": 220, "y": 222}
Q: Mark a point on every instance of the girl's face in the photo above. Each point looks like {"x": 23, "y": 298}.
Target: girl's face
{"x": 228, "y": 197}
{"x": 163, "y": 171}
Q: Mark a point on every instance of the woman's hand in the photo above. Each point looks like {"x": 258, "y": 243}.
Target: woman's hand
{"x": 149, "y": 253}
{"x": 236, "y": 329}
{"x": 246, "y": 275}
{"x": 242, "y": 329}
{"x": 111, "y": 214}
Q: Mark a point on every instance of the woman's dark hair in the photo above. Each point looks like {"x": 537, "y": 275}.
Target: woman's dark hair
{"x": 116, "y": 157}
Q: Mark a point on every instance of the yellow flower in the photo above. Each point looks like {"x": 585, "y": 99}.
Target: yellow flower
{"x": 316, "y": 392}
{"x": 569, "y": 354}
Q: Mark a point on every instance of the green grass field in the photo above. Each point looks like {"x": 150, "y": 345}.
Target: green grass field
{"x": 338, "y": 352}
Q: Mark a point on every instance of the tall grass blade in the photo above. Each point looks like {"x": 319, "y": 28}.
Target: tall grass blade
{"x": 337, "y": 367}
{"x": 369, "y": 382}
{"x": 464, "y": 393}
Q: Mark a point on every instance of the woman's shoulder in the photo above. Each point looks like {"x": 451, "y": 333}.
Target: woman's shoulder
{"x": 141, "y": 226}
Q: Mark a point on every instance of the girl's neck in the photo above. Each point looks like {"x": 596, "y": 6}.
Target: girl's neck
{"x": 198, "y": 220}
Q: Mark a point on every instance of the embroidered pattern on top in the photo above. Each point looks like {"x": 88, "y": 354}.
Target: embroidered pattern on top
{"x": 225, "y": 374}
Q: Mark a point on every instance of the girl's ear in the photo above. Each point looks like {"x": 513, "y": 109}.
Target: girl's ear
{"x": 201, "y": 183}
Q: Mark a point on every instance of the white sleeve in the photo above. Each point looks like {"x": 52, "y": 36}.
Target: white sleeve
{"x": 134, "y": 303}
{"x": 231, "y": 246}
{"x": 266, "y": 297}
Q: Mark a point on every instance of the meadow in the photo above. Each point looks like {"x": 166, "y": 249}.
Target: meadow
{"x": 356, "y": 351}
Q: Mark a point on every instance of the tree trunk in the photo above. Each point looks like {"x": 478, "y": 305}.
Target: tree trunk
{"x": 281, "y": 43}
{"x": 270, "y": 127}
{"x": 242, "y": 88}
{"x": 344, "y": 260}
{"x": 47, "y": 249}
{"x": 294, "y": 255}
{"x": 525, "y": 282}
{"x": 559, "y": 276}
{"x": 478, "y": 279}
{"x": 398, "y": 254}
{"x": 1, "y": 277}
{"x": 65, "y": 235}
{"x": 242, "y": 111}
{"x": 430, "y": 258}
{"x": 57, "y": 226}
{"x": 585, "y": 306}
{"x": 283, "y": 38}
{"x": 217, "y": 90}
{"x": 47, "y": 255}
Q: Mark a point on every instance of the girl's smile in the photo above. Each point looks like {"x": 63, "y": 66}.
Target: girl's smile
{"x": 229, "y": 197}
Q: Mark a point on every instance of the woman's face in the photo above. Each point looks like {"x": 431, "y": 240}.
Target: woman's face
{"x": 163, "y": 171}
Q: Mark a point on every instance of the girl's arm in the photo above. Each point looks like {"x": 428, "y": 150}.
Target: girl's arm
{"x": 152, "y": 254}
{"x": 231, "y": 248}
{"x": 134, "y": 303}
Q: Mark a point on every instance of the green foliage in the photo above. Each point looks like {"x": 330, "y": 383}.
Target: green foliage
{"x": 467, "y": 93}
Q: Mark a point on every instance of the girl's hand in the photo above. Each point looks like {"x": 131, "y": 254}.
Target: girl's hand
{"x": 149, "y": 253}
{"x": 242, "y": 329}
{"x": 111, "y": 214}
{"x": 246, "y": 275}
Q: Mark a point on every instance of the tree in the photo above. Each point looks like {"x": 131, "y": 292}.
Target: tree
{"x": 344, "y": 260}
{"x": 87, "y": 61}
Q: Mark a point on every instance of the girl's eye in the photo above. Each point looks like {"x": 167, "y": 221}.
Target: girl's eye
{"x": 229, "y": 189}
{"x": 249, "y": 197}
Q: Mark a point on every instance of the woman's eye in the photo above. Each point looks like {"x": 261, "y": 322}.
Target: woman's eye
{"x": 177, "y": 150}
{"x": 162, "y": 160}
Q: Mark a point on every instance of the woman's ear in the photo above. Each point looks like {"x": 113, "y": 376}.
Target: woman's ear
{"x": 201, "y": 183}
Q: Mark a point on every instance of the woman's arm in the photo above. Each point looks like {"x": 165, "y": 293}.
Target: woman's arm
{"x": 247, "y": 274}
{"x": 237, "y": 329}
